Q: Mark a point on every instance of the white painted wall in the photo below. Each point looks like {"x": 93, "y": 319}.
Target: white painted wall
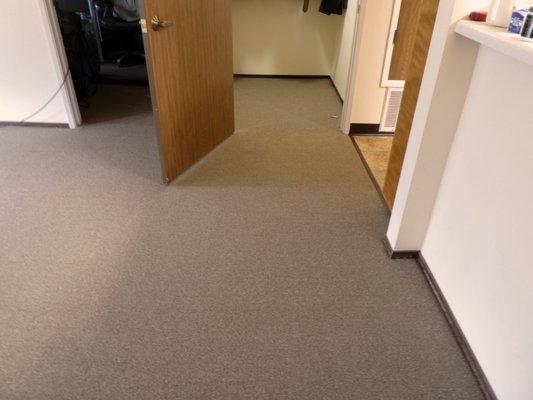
{"x": 341, "y": 67}
{"x": 447, "y": 75}
{"x": 464, "y": 196}
{"x": 28, "y": 74}
{"x": 368, "y": 95}
{"x": 478, "y": 241}
{"x": 275, "y": 37}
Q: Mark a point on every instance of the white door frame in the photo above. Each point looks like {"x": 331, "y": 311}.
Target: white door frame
{"x": 356, "y": 46}
{"x": 352, "y": 72}
{"x": 385, "y": 81}
{"x": 61, "y": 66}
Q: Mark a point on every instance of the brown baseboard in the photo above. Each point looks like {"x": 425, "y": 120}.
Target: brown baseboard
{"x": 397, "y": 255}
{"x": 368, "y": 129}
{"x": 364, "y": 129}
{"x": 460, "y": 338}
{"x": 34, "y": 124}
{"x": 282, "y": 76}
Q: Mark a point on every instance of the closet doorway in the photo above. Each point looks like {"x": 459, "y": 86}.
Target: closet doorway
{"x": 284, "y": 51}
{"x": 296, "y": 39}
{"x": 100, "y": 43}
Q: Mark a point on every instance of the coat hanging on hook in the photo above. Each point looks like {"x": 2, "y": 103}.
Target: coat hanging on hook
{"x": 333, "y": 6}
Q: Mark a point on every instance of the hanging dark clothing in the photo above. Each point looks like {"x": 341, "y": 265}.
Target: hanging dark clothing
{"x": 333, "y": 6}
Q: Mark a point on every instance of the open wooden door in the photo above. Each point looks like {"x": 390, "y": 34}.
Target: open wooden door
{"x": 404, "y": 39}
{"x": 427, "y": 14}
{"x": 190, "y": 61}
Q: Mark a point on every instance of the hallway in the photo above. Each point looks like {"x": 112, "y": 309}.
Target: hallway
{"x": 259, "y": 274}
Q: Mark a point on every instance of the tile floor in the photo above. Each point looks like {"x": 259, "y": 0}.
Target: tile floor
{"x": 376, "y": 150}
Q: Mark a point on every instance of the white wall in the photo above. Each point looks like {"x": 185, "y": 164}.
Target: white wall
{"x": 275, "y": 37}
{"x": 368, "y": 95}
{"x": 28, "y": 76}
{"x": 341, "y": 66}
{"x": 464, "y": 196}
{"x": 447, "y": 75}
{"x": 478, "y": 241}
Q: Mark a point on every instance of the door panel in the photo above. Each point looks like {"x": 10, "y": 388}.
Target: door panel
{"x": 191, "y": 78}
{"x": 415, "y": 73}
{"x": 404, "y": 39}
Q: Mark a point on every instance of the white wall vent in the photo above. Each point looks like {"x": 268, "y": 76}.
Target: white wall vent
{"x": 391, "y": 110}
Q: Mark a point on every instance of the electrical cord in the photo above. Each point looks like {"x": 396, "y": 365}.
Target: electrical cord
{"x": 50, "y": 99}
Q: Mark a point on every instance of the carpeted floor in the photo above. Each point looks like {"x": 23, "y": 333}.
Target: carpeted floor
{"x": 260, "y": 274}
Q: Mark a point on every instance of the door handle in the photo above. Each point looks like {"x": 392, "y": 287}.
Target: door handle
{"x": 158, "y": 24}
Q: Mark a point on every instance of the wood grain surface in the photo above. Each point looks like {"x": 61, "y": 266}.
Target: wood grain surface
{"x": 424, "y": 32}
{"x": 191, "y": 68}
{"x": 404, "y": 39}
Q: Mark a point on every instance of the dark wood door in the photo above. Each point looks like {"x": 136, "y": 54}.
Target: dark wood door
{"x": 415, "y": 73}
{"x": 190, "y": 61}
{"x": 404, "y": 39}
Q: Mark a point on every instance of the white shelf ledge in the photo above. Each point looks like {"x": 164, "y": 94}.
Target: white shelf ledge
{"x": 497, "y": 39}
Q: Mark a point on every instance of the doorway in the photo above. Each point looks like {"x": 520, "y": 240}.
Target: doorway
{"x": 329, "y": 35}
{"x": 294, "y": 48}
{"x": 410, "y": 34}
{"x": 106, "y": 58}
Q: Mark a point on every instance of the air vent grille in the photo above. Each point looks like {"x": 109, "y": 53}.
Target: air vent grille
{"x": 391, "y": 110}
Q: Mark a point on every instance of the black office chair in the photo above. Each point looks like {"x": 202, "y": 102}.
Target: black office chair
{"x": 128, "y": 32}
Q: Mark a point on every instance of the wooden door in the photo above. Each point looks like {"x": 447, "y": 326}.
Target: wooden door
{"x": 415, "y": 73}
{"x": 190, "y": 61}
{"x": 404, "y": 39}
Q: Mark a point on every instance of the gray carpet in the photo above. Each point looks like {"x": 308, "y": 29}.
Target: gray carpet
{"x": 260, "y": 274}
